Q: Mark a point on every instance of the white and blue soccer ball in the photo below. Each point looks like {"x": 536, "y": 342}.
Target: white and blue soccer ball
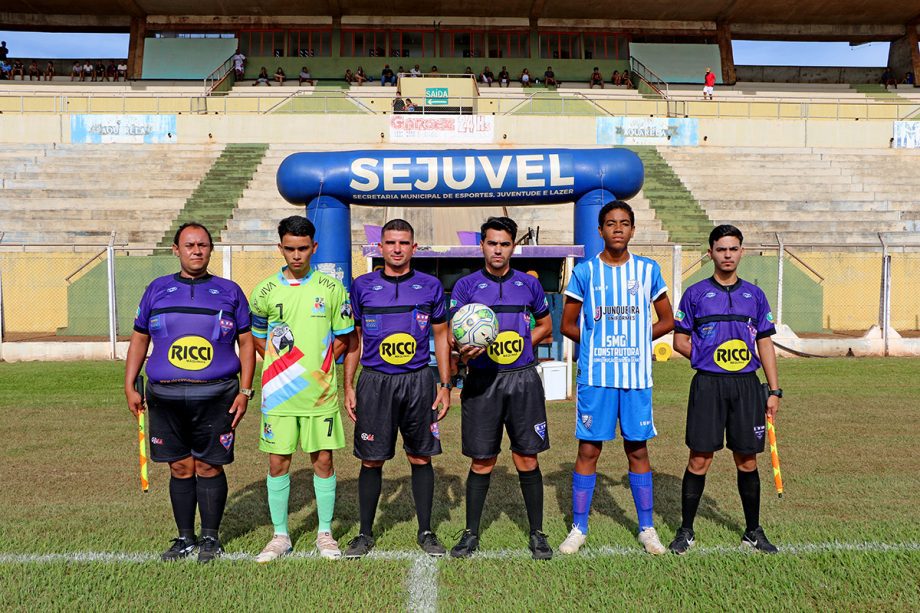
{"x": 474, "y": 324}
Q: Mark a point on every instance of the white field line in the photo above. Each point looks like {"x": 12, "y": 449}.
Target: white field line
{"x": 498, "y": 554}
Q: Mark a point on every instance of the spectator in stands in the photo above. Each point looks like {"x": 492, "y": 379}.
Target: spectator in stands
{"x": 5, "y": 70}
{"x": 386, "y": 76}
{"x": 305, "y": 77}
{"x": 616, "y": 78}
{"x": 549, "y": 77}
{"x": 111, "y": 70}
{"x": 416, "y": 71}
{"x": 350, "y": 76}
{"x": 280, "y": 76}
{"x": 399, "y": 105}
{"x": 410, "y": 106}
{"x": 626, "y": 79}
{"x": 888, "y": 78}
{"x": 908, "y": 78}
{"x": 262, "y": 78}
{"x": 4, "y": 51}
{"x": 87, "y": 71}
{"x": 468, "y": 71}
{"x": 239, "y": 64}
{"x": 400, "y": 72}
{"x": 360, "y": 76}
{"x": 504, "y": 79}
{"x": 709, "y": 83}
{"x": 76, "y": 72}
{"x": 49, "y": 71}
{"x": 433, "y": 72}
{"x": 34, "y": 71}
{"x": 525, "y": 78}
{"x": 100, "y": 71}
{"x": 122, "y": 69}
{"x": 596, "y": 78}
{"x": 19, "y": 69}
{"x": 486, "y": 76}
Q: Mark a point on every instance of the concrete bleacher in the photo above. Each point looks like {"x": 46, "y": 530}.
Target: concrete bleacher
{"x": 256, "y": 217}
{"x": 79, "y": 194}
{"x": 809, "y": 196}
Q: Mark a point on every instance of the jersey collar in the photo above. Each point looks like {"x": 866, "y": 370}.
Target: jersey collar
{"x": 726, "y": 288}
{"x": 287, "y": 281}
{"x": 188, "y": 281}
{"x": 395, "y": 279}
{"x": 497, "y": 279}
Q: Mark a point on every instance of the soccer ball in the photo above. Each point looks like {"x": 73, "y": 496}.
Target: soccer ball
{"x": 474, "y": 324}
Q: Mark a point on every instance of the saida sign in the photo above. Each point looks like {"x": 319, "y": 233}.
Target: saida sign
{"x": 436, "y": 96}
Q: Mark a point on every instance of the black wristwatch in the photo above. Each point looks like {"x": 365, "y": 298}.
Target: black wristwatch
{"x": 445, "y": 386}
{"x": 777, "y": 392}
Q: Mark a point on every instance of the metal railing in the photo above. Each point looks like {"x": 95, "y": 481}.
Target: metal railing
{"x": 649, "y": 77}
{"x": 217, "y": 76}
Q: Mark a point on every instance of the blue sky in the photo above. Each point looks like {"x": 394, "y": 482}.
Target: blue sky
{"x": 758, "y": 53}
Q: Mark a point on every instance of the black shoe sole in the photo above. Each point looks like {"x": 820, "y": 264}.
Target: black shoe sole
{"x": 541, "y": 556}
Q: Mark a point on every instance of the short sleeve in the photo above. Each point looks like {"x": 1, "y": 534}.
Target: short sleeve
{"x": 142, "y": 317}
{"x": 576, "y": 286}
{"x": 538, "y": 305}
{"x": 658, "y": 286}
{"x": 765, "y": 324}
{"x": 259, "y": 313}
{"x": 355, "y": 301}
{"x": 343, "y": 320}
{"x": 438, "y": 312}
{"x": 459, "y": 297}
{"x": 241, "y": 314}
{"x": 683, "y": 318}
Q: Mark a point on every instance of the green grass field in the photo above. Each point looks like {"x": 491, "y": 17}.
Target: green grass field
{"x": 78, "y": 533}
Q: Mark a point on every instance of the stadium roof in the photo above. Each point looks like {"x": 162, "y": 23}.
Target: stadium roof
{"x": 804, "y": 12}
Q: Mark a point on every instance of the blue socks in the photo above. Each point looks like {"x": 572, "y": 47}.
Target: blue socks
{"x": 641, "y": 486}
{"x": 582, "y": 492}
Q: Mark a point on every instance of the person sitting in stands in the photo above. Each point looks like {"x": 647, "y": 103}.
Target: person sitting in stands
{"x": 350, "y": 76}
{"x": 100, "y": 71}
{"x": 410, "y": 106}
{"x": 596, "y": 78}
{"x": 416, "y": 71}
{"x": 468, "y": 71}
{"x": 87, "y": 71}
{"x": 908, "y": 78}
{"x": 5, "y": 70}
{"x": 399, "y": 105}
{"x": 77, "y": 71}
{"x": 111, "y": 70}
{"x": 49, "y": 71}
{"x": 504, "y": 79}
{"x": 616, "y": 78}
{"x": 627, "y": 79}
{"x": 122, "y": 70}
{"x": 305, "y": 76}
{"x": 433, "y": 72}
{"x": 486, "y": 76}
{"x": 360, "y": 76}
{"x": 549, "y": 77}
{"x": 262, "y": 78}
{"x": 34, "y": 71}
{"x": 888, "y": 78}
{"x": 386, "y": 76}
{"x": 525, "y": 78}
{"x": 19, "y": 69}
{"x": 280, "y": 76}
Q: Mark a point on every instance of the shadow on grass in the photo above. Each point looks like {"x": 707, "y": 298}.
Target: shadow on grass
{"x": 667, "y": 500}
{"x": 247, "y": 509}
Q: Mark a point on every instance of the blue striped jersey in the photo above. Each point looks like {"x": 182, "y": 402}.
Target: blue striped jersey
{"x": 616, "y": 320}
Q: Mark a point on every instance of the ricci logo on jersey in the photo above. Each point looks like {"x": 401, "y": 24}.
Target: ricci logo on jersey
{"x": 191, "y": 353}
{"x": 398, "y": 349}
{"x": 507, "y": 348}
{"x": 732, "y": 355}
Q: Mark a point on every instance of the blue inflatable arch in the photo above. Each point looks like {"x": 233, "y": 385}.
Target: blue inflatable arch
{"x": 328, "y": 182}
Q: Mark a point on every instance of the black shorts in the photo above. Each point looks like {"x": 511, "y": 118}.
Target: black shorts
{"x": 510, "y": 398}
{"x": 191, "y": 419}
{"x": 726, "y": 407}
{"x": 387, "y": 403}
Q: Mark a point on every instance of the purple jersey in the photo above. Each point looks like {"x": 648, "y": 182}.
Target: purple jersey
{"x": 396, "y": 315}
{"x": 724, "y": 324}
{"x": 193, "y": 324}
{"x": 514, "y": 298}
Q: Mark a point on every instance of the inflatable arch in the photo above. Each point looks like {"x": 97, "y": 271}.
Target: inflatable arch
{"x": 328, "y": 182}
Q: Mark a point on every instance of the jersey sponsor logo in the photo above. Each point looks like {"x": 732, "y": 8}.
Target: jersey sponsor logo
{"x": 267, "y": 432}
{"x": 171, "y": 290}
{"x": 747, "y": 295}
{"x": 618, "y": 312}
{"x": 397, "y": 349}
{"x": 267, "y": 289}
{"x": 679, "y": 315}
{"x": 710, "y": 295}
{"x": 422, "y": 320}
{"x": 325, "y": 280}
{"x": 507, "y": 347}
{"x": 770, "y": 317}
{"x": 377, "y": 288}
{"x": 226, "y": 326}
{"x": 436, "y": 430}
{"x": 483, "y": 285}
{"x": 282, "y": 338}
{"x": 371, "y": 323}
{"x": 540, "y": 429}
{"x": 707, "y": 330}
{"x": 616, "y": 346}
{"x": 319, "y": 306}
{"x": 346, "y": 311}
{"x": 213, "y": 291}
{"x": 519, "y": 283}
{"x": 416, "y": 286}
{"x": 191, "y": 353}
{"x": 732, "y": 355}
{"x": 226, "y": 440}
{"x": 156, "y": 322}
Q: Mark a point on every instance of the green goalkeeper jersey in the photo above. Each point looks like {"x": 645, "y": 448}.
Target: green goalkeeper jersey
{"x": 299, "y": 319}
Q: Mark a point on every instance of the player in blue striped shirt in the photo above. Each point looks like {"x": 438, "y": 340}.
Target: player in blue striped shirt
{"x": 607, "y": 311}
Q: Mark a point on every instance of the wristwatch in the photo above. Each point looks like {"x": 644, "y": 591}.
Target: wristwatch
{"x": 246, "y": 392}
{"x": 777, "y": 392}
{"x": 445, "y": 386}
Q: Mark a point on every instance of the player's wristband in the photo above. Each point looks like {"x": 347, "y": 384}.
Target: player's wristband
{"x": 445, "y": 386}
{"x": 778, "y": 392}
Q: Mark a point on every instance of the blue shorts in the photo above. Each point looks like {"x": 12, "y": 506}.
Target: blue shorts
{"x": 599, "y": 408}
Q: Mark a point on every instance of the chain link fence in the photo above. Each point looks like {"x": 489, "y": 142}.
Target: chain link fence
{"x": 57, "y": 293}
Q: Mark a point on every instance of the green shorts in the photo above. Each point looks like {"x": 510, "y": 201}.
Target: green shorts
{"x": 280, "y": 433}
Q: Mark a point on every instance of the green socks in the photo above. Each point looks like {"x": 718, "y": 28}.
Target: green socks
{"x": 325, "y": 501}
{"x": 279, "y": 490}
